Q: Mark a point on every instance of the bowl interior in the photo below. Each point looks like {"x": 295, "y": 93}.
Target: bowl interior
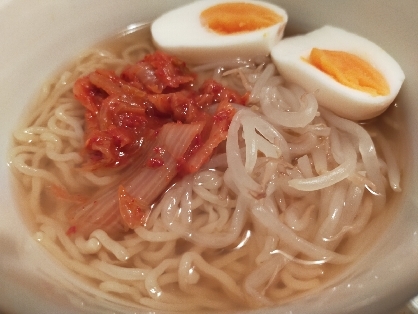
{"x": 39, "y": 39}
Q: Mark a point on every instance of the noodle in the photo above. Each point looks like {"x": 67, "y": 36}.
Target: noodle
{"x": 261, "y": 223}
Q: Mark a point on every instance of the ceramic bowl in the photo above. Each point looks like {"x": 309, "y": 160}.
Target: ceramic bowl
{"x": 39, "y": 37}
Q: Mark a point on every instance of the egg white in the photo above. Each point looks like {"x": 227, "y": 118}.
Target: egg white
{"x": 290, "y": 56}
{"x": 180, "y": 33}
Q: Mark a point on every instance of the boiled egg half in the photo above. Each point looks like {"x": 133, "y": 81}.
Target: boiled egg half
{"x": 350, "y": 75}
{"x": 213, "y": 30}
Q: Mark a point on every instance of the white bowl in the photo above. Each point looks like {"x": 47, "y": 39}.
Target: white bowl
{"x": 39, "y": 37}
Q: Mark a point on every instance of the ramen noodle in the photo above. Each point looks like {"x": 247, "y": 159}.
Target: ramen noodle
{"x": 291, "y": 197}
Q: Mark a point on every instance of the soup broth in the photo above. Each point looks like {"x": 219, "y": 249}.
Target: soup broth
{"x": 209, "y": 243}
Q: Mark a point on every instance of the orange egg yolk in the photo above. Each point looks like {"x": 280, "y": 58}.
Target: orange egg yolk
{"x": 238, "y": 17}
{"x": 350, "y": 70}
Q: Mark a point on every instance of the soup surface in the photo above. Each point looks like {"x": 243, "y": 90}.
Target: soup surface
{"x": 273, "y": 213}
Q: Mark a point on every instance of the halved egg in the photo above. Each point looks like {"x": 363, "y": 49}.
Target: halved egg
{"x": 213, "y": 30}
{"x": 349, "y": 74}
